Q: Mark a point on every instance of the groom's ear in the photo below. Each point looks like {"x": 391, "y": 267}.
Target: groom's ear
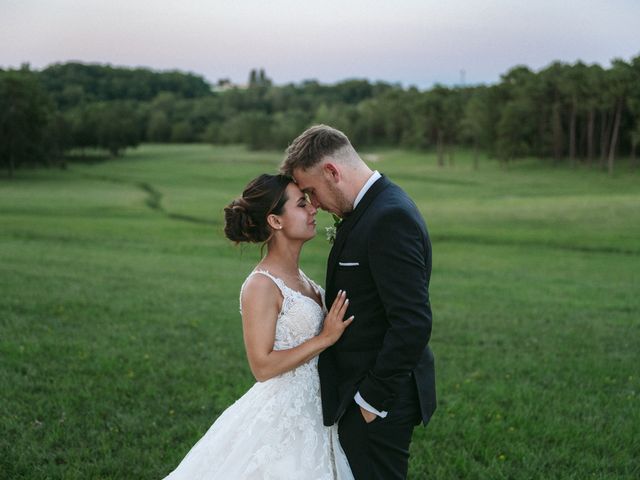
{"x": 331, "y": 171}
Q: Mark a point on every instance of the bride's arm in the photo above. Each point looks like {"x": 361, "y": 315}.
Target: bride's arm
{"x": 260, "y": 308}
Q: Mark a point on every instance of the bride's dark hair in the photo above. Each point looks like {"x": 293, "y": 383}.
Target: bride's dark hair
{"x": 246, "y": 217}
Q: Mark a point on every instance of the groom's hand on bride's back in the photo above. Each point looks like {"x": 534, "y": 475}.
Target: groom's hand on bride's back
{"x": 334, "y": 323}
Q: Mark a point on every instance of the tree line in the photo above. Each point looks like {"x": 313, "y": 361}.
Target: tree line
{"x": 575, "y": 113}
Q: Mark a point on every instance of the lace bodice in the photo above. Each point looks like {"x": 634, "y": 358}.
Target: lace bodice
{"x": 300, "y": 317}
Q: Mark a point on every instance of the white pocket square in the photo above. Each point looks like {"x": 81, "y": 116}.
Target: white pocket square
{"x": 349, "y": 264}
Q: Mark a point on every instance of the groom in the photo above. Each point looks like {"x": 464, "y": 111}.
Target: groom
{"x": 378, "y": 380}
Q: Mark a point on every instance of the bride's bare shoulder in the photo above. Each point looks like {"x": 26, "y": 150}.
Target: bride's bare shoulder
{"x": 260, "y": 291}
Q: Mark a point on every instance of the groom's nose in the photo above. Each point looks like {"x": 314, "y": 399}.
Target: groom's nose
{"x": 315, "y": 202}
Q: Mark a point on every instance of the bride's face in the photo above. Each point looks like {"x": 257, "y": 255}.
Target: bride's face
{"x": 298, "y": 218}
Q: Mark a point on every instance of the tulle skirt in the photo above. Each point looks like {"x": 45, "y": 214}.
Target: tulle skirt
{"x": 273, "y": 432}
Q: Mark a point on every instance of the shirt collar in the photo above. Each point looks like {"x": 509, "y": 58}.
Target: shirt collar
{"x": 372, "y": 179}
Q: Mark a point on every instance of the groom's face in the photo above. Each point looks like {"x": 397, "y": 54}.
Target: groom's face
{"x": 322, "y": 193}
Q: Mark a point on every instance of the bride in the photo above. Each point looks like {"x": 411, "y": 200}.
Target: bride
{"x": 275, "y": 430}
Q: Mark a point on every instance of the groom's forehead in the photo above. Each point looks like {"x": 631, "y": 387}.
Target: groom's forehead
{"x": 306, "y": 179}
{"x": 302, "y": 179}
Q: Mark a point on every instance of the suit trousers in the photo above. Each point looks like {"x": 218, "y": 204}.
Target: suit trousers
{"x": 380, "y": 450}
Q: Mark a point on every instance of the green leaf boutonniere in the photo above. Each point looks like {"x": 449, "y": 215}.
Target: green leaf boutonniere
{"x": 333, "y": 231}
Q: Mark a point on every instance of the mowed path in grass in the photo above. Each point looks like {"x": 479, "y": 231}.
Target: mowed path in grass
{"x": 121, "y": 341}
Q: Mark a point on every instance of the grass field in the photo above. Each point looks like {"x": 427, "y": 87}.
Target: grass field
{"x": 120, "y": 337}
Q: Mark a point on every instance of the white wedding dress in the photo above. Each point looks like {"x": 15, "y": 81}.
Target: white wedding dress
{"x": 275, "y": 430}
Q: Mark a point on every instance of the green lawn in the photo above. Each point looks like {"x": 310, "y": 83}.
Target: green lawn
{"x": 120, "y": 337}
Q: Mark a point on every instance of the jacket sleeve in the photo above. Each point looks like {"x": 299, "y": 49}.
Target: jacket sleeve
{"x": 399, "y": 258}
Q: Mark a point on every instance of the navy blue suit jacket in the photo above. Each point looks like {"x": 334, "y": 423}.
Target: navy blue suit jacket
{"x": 382, "y": 258}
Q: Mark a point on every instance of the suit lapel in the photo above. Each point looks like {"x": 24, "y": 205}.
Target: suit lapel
{"x": 349, "y": 222}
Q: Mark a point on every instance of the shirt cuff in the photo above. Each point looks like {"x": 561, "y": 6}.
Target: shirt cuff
{"x": 361, "y": 401}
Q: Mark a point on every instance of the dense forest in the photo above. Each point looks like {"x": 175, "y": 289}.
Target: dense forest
{"x": 574, "y": 113}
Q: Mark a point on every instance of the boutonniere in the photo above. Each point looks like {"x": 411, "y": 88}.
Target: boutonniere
{"x": 333, "y": 231}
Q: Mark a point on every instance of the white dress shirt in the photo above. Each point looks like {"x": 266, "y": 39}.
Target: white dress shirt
{"x": 365, "y": 188}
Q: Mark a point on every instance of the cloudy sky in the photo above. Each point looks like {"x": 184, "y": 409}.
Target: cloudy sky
{"x": 413, "y": 42}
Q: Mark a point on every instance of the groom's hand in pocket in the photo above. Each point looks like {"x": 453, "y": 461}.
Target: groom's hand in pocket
{"x": 367, "y": 415}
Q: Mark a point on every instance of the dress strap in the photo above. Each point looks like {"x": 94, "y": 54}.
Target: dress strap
{"x": 284, "y": 290}
{"x": 278, "y": 281}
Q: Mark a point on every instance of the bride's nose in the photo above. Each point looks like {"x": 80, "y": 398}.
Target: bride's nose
{"x": 312, "y": 209}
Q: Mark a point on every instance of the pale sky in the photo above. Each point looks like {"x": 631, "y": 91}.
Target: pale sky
{"x": 407, "y": 41}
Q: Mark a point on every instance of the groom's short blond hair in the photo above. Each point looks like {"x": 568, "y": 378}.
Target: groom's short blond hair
{"x": 312, "y": 145}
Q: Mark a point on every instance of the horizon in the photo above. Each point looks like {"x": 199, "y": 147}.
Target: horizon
{"x": 245, "y": 83}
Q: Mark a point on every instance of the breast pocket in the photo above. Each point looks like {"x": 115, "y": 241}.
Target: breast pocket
{"x": 351, "y": 274}
{"x": 348, "y": 264}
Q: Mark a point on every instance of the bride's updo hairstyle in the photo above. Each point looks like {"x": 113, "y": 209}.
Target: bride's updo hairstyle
{"x": 246, "y": 217}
